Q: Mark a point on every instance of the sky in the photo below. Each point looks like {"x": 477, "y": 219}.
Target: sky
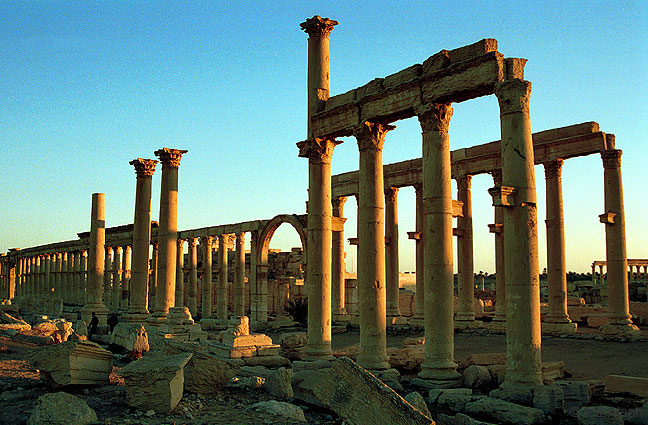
{"x": 86, "y": 87}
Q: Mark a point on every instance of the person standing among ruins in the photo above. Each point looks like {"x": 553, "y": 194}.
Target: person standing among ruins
{"x": 112, "y": 322}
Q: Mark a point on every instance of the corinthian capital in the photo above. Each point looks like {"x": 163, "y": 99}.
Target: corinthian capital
{"x": 144, "y": 167}
{"x": 391, "y": 194}
{"x": 464, "y": 181}
{"x": 611, "y": 158}
{"x": 318, "y": 150}
{"x": 553, "y": 169}
{"x": 371, "y": 135}
{"x": 513, "y": 96}
{"x": 318, "y": 26}
{"x": 434, "y": 116}
{"x": 170, "y": 157}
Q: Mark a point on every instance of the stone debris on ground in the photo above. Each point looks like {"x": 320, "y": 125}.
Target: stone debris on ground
{"x": 61, "y": 409}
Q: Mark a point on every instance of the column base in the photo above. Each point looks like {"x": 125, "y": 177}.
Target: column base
{"x": 373, "y": 362}
{"x": 440, "y": 371}
{"x": 389, "y": 378}
{"x": 467, "y": 324}
{"x": 341, "y": 318}
{"x": 135, "y": 317}
{"x": 558, "y": 328}
{"x": 619, "y": 330}
{"x": 430, "y": 384}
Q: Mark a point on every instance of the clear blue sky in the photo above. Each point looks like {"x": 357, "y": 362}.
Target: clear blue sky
{"x": 86, "y": 87}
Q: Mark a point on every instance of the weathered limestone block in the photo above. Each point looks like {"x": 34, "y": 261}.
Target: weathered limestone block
{"x": 73, "y": 363}
{"x": 626, "y": 384}
{"x": 550, "y": 399}
{"x": 267, "y": 361}
{"x": 461, "y": 419}
{"x": 454, "y": 401}
{"x": 416, "y": 400}
{"x": 8, "y": 321}
{"x": 34, "y": 339}
{"x": 637, "y": 416}
{"x": 280, "y": 409}
{"x": 472, "y": 50}
{"x": 435, "y": 394}
{"x": 293, "y": 345}
{"x": 408, "y": 358}
{"x": 278, "y": 384}
{"x": 503, "y": 412}
{"x": 61, "y": 409}
{"x": 597, "y": 415}
{"x": 155, "y": 381}
{"x": 476, "y": 376}
{"x": 132, "y": 336}
{"x": 361, "y": 399}
{"x": 80, "y": 327}
{"x": 577, "y": 394}
{"x": 206, "y": 374}
{"x": 519, "y": 394}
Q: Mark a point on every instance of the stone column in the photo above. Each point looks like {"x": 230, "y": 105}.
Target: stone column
{"x": 497, "y": 229}
{"x": 193, "y": 276}
{"x": 206, "y": 243}
{"x": 116, "y": 277}
{"x": 76, "y": 281}
{"x": 84, "y": 276}
{"x": 58, "y": 283}
{"x": 221, "y": 306}
{"x": 391, "y": 252}
{"x": 167, "y": 231}
{"x": 593, "y": 274}
{"x": 465, "y": 266}
{"x": 179, "y": 280}
{"x": 138, "y": 304}
{"x": 439, "y": 366}
{"x": 107, "y": 281}
{"x": 153, "y": 277}
{"x": 68, "y": 263}
{"x": 619, "y": 318}
{"x": 257, "y": 312}
{"x": 371, "y": 246}
{"x": 557, "y": 321}
{"x": 49, "y": 276}
{"x": 319, "y": 153}
{"x": 96, "y": 264}
{"x": 239, "y": 281}
{"x": 419, "y": 314}
{"x": 338, "y": 268}
{"x": 125, "y": 278}
{"x": 601, "y": 277}
{"x": 518, "y": 196}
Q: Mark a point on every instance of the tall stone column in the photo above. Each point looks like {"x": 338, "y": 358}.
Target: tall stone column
{"x": 338, "y": 268}
{"x": 153, "y": 277}
{"x": 167, "y": 231}
{"x": 619, "y": 319}
{"x": 117, "y": 273}
{"x": 107, "y": 281}
{"x": 206, "y": 243}
{"x": 138, "y": 304}
{"x": 439, "y": 366}
{"x": 256, "y": 312}
{"x": 391, "y": 252}
{"x": 125, "y": 278}
{"x": 497, "y": 229}
{"x": 419, "y": 314}
{"x": 557, "y": 321}
{"x": 49, "y": 276}
{"x": 518, "y": 196}
{"x": 94, "y": 303}
{"x": 465, "y": 266}
{"x": 371, "y": 246}
{"x": 179, "y": 280}
{"x": 58, "y": 280}
{"x": 223, "y": 248}
{"x": 76, "y": 281}
{"x": 601, "y": 276}
{"x": 193, "y": 276}
{"x": 239, "y": 281}
{"x": 319, "y": 153}
{"x": 84, "y": 276}
{"x": 68, "y": 269}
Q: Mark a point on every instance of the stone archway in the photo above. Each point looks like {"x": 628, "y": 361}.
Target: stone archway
{"x": 262, "y": 248}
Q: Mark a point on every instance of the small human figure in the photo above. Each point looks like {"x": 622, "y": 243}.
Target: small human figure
{"x": 112, "y": 322}
{"x": 94, "y": 322}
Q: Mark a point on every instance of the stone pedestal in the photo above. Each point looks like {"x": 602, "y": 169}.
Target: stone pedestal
{"x": 138, "y": 305}
{"x": 96, "y": 261}
{"x": 439, "y": 366}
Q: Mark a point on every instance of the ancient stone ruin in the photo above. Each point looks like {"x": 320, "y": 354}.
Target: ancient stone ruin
{"x": 200, "y": 319}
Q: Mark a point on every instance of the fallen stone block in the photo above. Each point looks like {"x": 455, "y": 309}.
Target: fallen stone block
{"x": 207, "y": 374}
{"x": 577, "y": 395}
{"x": 504, "y": 412}
{"x": 267, "y": 361}
{"x": 73, "y": 363}
{"x": 61, "y": 409}
{"x": 361, "y": 399}
{"x": 434, "y": 394}
{"x": 293, "y": 345}
{"x": 552, "y": 371}
{"x": 626, "y": 384}
{"x": 278, "y": 384}
{"x": 517, "y": 394}
{"x": 550, "y": 399}
{"x": 454, "y": 401}
{"x": 638, "y": 416}
{"x": 155, "y": 381}
{"x": 41, "y": 340}
{"x": 416, "y": 399}
{"x": 280, "y": 409}
{"x": 598, "y": 415}
{"x": 476, "y": 376}
{"x": 131, "y": 336}
{"x": 7, "y": 321}
{"x": 408, "y": 358}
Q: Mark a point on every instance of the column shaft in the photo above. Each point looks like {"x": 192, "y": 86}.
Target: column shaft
{"x": 338, "y": 268}
{"x": 239, "y": 282}
{"x": 391, "y": 251}
{"x": 420, "y": 255}
{"x": 96, "y": 260}
{"x": 465, "y": 265}
{"x": 193, "y": 276}
{"x": 206, "y": 243}
{"x": 117, "y": 273}
{"x": 179, "y": 280}
{"x": 221, "y": 305}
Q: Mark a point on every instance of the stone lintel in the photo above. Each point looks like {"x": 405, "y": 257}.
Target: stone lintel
{"x": 503, "y": 196}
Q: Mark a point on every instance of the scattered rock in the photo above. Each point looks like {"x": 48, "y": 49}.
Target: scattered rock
{"x": 504, "y": 412}
{"x": 131, "y": 336}
{"x": 61, "y": 409}
{"x": 207, "y": 374}
{"x": 281, "y": 409}
{"x": 476, "y": 376}
{"x": 278, "y": 384}
{"x": 293, "y": 345}
{"x": 518, "y": 394}
{"x": 597, "y": 415}
{"x": 551, "y": 400}
{"x": 577, "y": 394}
{"x": 416, "y": 399}
{"x": 454, "y": 401}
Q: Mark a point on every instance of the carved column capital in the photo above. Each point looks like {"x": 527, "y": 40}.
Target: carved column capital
{"x": 180, "y": 243}
{"x": 318, "y": 150}
{"x": 553, "y": 169}
{"x": 170, "y": 157}
{"x": 192, "y": 242}
{"x": 418, "y": 190}
{"x": 464, "y": 181}
{"x": 117, "y": 249}
{"x": 338, "y": 206}
{"x": 513, "y": 96}
{"x": 434, "y": 116}
{"x": 318, "y": 26}
{"x": 497, "y": 177}
{"x": 391, "y": 194}
{"x": 611, "y": 158}
{"x": 109, "y": 250}
{"x": 371, "y": 135}
{"x": 144, "y": 167}
{"x": 206, "y": 240}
